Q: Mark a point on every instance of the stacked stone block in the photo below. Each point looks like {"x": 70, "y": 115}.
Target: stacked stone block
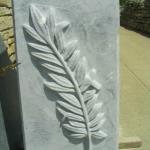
{"x": 6, "y": 27}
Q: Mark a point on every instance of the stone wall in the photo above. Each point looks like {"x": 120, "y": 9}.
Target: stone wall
{"x": 6, "y": 27}
{"x": 136, "y": 15}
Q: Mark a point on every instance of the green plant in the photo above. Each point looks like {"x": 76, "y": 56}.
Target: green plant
{"x": 122, "y": 2}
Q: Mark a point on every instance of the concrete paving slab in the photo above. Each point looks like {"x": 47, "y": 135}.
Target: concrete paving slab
{"x": 135, "y": 81}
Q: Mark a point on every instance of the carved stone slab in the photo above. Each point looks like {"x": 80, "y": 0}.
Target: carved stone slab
{"x": 68, "y": 74}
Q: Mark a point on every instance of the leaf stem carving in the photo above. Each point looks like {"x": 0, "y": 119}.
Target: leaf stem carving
{"x": 78, "y": 91}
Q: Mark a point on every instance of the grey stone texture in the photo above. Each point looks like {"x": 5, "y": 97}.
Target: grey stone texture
{"x": 95, "y": 24}
{"x": 136, "y": 15}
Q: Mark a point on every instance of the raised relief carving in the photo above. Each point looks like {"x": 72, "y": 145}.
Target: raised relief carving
{"x": 69, "y": 77}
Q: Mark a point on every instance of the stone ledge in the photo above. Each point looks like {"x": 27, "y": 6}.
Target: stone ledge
{"x": 130, "y": 142}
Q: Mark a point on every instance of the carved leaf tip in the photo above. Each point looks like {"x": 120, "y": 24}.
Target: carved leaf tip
{"x": 64, "y": 25}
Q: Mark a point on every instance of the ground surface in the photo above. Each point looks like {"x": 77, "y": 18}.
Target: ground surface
{"x": 135, "y": 86}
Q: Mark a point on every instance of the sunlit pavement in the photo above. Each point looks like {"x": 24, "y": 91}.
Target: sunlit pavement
{"x": 135, "y": 86}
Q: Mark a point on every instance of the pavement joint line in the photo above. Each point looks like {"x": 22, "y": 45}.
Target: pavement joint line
{"x": 132, "y": 72}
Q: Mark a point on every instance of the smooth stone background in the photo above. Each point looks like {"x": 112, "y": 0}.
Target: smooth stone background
{"x": 96, "y": 25}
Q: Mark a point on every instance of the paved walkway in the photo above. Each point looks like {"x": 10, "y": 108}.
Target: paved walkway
{"x": 135, "y": 86}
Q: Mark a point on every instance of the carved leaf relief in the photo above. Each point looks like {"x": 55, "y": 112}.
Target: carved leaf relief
{"x": 70, "y": 76}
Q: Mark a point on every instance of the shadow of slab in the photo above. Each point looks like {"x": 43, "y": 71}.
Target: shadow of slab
{"x": 3, "y": 137}
{"x": 9, "y": 97}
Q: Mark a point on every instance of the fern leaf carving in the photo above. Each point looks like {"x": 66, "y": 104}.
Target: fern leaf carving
{"x": 69, "y": 75}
